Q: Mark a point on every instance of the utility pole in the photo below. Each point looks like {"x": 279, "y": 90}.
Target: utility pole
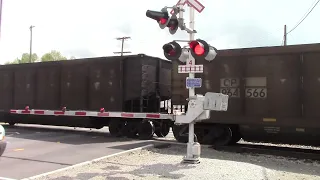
{"x": 285, "y": 35}
{"x": 122, "y": 43}
{"x": 0, "y": 14}
{"x": 30, "y": 55}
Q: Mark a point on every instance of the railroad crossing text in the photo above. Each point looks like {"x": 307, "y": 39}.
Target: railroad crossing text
{"x": 230, "y": 87}
{"x": 255, "y": 87}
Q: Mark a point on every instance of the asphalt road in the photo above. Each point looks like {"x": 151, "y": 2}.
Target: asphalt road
{"x": 34, "y": 150}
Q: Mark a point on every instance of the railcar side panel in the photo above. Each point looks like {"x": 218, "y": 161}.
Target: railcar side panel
{"x": 165, "y": 78}
{"x": 178, "y": 84}
{"x": 272, "y": 86}
{"x": 24, "y": 86}
{"x": 224, "y": 75}
{"x": 149, "y": 70}
{"x": 311, "y": 87}
{"x": 6, "y": 88}
{"x": 74, "y": 84}
{"x": 47, "y": 94}
{"x": 132, "y": 78}
{"x": 105, "y": 85}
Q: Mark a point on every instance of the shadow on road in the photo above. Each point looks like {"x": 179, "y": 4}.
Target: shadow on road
{"x": 65, "y": 135}
{"x": 35, "y": 160}
{"x": 114, "y": 172}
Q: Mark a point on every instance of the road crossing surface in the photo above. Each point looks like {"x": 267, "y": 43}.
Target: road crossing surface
{"x": 34, "y": 149}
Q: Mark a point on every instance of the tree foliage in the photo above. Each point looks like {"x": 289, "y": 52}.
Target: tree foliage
{"x": 25, "y": 58}
{"x": 72, "y": 57}
{"x": 53, "y": 56}
{"x": 50, "y": 56}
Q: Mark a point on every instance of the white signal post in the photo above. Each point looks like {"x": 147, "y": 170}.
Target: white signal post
{"x": 191, "y": 61}
{"x": 199, "y": 106}
{"x": 193, "y": 4}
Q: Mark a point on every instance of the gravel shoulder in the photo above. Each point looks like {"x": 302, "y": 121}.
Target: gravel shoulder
{"x": 166, "y": 164}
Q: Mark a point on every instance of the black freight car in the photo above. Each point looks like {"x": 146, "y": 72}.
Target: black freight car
{"x": 273, "y": 95}
{"x": 135, "y": 83}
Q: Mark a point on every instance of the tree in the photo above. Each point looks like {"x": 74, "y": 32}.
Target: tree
{"x": 50, "y": 56}
{"x": 53, "y": 56}
{"x": 25, "y": 58}
{"x": 72, "y": 57}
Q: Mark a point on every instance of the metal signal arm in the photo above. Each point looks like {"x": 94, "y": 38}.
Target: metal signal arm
{"x": 199, "y": 107}
{"x": 179, "y": 10}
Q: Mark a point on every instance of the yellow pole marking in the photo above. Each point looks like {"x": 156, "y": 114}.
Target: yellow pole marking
{"x": 300, "y": 129}
{"x": 21, "y": 149}
{"x": 269, "y": 119}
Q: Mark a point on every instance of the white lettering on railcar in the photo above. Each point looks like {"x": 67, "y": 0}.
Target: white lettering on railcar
{"x": 256, "y": 87}
{"x": 256, "y": 92}
{"x": 230, "y": 87}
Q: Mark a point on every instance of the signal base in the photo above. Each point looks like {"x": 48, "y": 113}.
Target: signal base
{"x": 190, "y": 161}
{"x": 193, "y": 153}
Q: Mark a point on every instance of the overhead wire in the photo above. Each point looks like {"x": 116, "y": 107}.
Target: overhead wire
{"x": 304, "y": 17}
{"x": 311, "y": 6}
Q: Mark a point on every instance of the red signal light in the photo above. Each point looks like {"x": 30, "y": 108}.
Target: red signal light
{"x": 193, "y": 44}
{"x": 163, "y": 21}
{"x": 173, "y": 25}
{"x": 169, "y": 49}
{"x": 161, "y": 17}
{"x": 199, "y": 50}
{"x": 172, "y": 50}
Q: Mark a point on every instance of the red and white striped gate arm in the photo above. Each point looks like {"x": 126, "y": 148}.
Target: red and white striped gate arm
{"x": 101, "y": 113}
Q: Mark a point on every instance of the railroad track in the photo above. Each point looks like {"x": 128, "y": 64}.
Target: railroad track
{"x": 255, "y": 149}
{"x": 288, "y": 152}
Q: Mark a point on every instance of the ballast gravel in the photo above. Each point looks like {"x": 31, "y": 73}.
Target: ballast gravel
{"x": 153, "y": 164}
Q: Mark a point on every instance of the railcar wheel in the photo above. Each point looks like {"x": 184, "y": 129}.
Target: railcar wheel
{"x": 180, "y": 133}
{"x": 219, "y": 135}
{"x": 236, "y": 135}
{"x": 12, "y": 123}
{"x": 131, "y": 130}
{"x": 98, "y": 126}
{"x": 201, "y": 133}
{"x": 97, "y": 123}
{"x": 116, "y": 127}
{"x": 146, "y": 130}
{"x": 162, "y": 129}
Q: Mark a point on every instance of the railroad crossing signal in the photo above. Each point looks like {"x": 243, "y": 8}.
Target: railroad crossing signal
{"x": 173, "y": 51}
{"x": 197, "y": 48}
{"x": 200, "y": 48}
{"x": 164, "y": 20}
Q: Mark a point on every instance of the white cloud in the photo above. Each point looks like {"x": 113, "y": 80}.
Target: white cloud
{"x": 86, "y": 28}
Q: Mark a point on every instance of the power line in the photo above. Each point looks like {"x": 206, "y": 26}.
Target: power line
{"x": 304, "y": 17}
{"x": 122, "y": 43}
{"x": 305, "y": 14}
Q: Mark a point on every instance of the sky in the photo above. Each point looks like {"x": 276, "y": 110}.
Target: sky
{"x": 89, "y": 28}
